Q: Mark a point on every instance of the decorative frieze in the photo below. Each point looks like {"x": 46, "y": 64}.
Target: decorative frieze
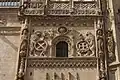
{"x": 62, "y": 21}
{"x": 62, "y": 62}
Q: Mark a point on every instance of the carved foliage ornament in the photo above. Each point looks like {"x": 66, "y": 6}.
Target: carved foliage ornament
{"x": 39, "y": 40}
{"x": 86, "y": 45}
{"x": 39, "y": 44}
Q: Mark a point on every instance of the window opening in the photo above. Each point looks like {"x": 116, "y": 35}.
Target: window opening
{"x": 62, "y": 49}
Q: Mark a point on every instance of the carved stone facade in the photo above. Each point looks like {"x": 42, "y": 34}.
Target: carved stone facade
{"x": 61, "y": 39}
{"x": 42, "y": 41}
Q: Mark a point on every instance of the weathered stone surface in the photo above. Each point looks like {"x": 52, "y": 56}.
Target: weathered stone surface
{"x": 8, "y": 57}
{"x": 79, "y": 24}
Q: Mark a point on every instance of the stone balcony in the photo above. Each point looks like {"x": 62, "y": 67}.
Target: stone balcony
{"x": 60, "y": 8}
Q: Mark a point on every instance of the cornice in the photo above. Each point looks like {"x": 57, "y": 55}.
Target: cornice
{"x": 8, "y": 31}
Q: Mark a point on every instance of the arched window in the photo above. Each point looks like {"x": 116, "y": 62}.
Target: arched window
{"x": 62, "y": 49}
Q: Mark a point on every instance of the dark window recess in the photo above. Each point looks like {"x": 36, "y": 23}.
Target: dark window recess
{"x": 30, "y": 73}
{"x": 62, "y": 49}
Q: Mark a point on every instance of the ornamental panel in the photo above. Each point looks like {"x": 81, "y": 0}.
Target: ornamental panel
{"x": 43, "y": 42}
{"x": 65, "y": 8}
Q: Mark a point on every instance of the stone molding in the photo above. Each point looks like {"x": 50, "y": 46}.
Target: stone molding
{"x": 10, "y": 31}
{"x": 62, "y": 62}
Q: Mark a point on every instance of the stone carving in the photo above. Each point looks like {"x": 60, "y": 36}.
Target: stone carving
{"x": 3, "y": 21}
{"x": 38, "y": 44}
{"x": 21, "y": 70}
{"x": 24, "y": 43}
{"x": 101, "y": 55}
{"x": 82, "y": 47}
{"x": 49, "y": 33}
{"x": 86, "y": 45}
{"x": 100, "y": 41}
{"x": 56, "y": 76}
{"x": 111, "y": 46}
{"x": 47, "y": 76}
{"x": 62, "y": 30}
{"x": 40, "y": 39}
{"x": 23, "y": 51}
{"x": 9, "y": 30}
{"x": 41, "y": 47}
{"x": 62, "y": 76}
{"x": 61, "y": 8}
{"x": 23, "y": 7}
{"x": 90, "y": 38}
{"x": 62, "y": 63}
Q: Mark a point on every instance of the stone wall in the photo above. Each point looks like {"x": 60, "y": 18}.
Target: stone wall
{"x": 9, "y": 43}
{"x": 8, "y": 57}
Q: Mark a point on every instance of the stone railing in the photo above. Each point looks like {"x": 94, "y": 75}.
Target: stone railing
{"x": 76, "y": 8}
{"x": 35, "y": 8}
{"x": 62, "y": 62}
{"x": 85, "y": 8}
{"x": 59, "y": 8}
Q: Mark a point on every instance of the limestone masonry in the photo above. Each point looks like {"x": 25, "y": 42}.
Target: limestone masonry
{"x": 59, "y": 40}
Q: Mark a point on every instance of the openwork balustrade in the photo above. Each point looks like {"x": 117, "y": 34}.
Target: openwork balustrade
{"x": 75, "y": 8}
{"x": 61, "y": 8}
{"x": 35, "y": 8}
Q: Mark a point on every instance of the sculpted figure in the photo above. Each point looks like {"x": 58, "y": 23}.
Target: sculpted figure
{"x": 111, "y": 46}
{"x": 90, "y": 38}
{"x": 24, "y": 43}
{"x": 24, "y": 6}
{"x": 100, "y": 41}
{"x": 23, "y": 51}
